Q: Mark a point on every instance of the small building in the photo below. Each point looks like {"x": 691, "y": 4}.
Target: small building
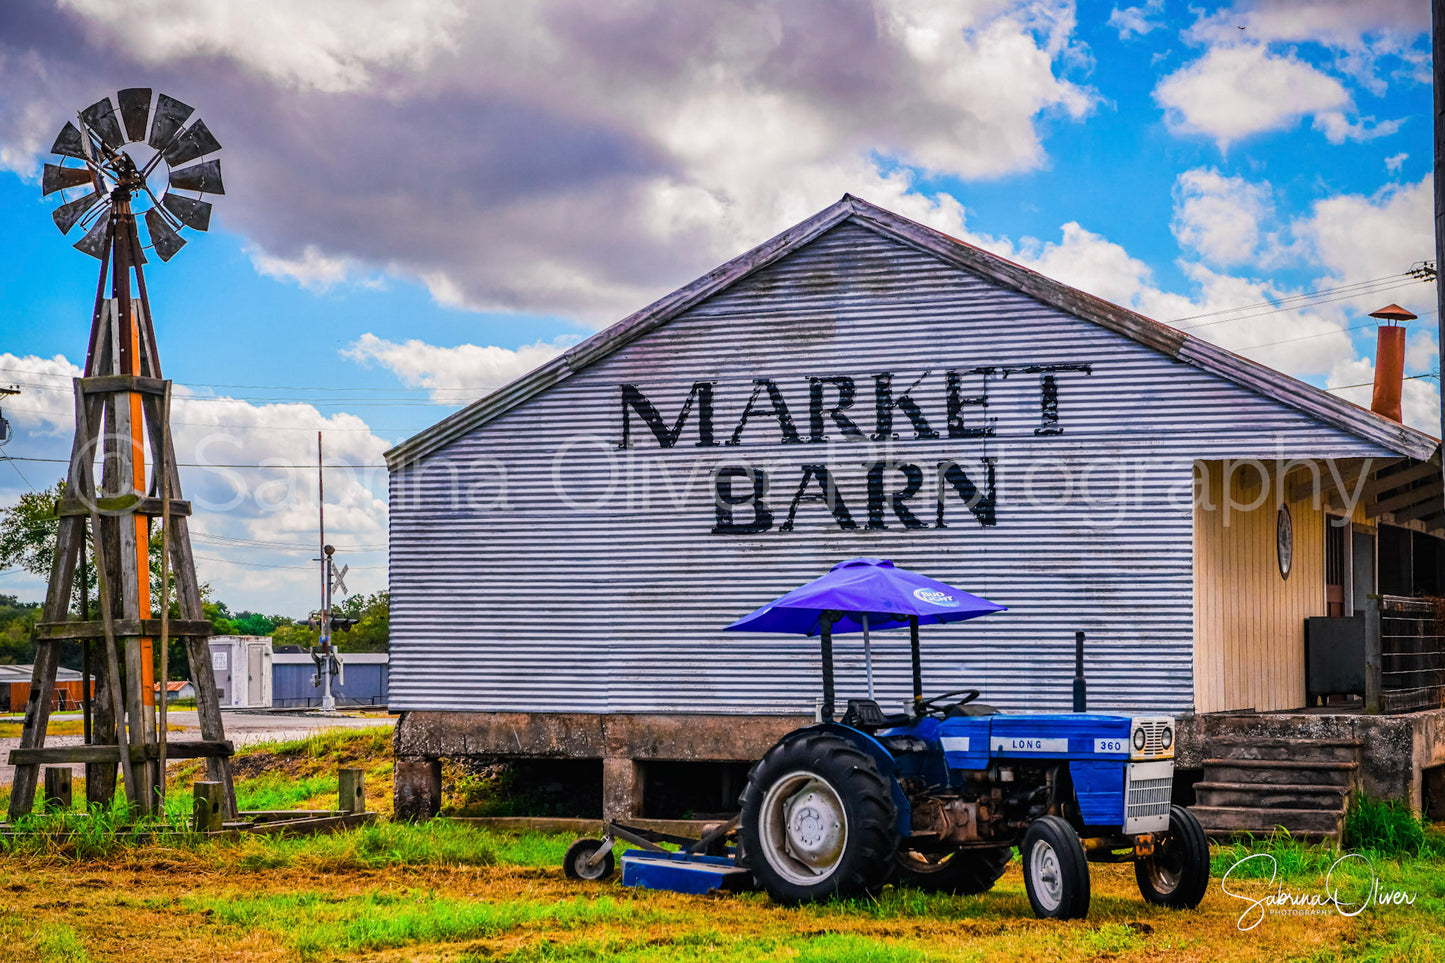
{"x": 362, "y": 681}
{"x": 178, "y": 689}
{"x": 15, "y": 688}
{"x": 565, "y": 553}
{"x": 242, "y": 666}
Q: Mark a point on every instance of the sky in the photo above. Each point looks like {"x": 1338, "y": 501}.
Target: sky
{"x": 425, "y": 200}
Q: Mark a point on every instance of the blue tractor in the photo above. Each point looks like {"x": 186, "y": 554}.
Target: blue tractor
{"x": 936, "y": 796}
{"x": 939, "y": 798}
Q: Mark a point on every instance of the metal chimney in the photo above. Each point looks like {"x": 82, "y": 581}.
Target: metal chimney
{"x": 1390, "y": 360}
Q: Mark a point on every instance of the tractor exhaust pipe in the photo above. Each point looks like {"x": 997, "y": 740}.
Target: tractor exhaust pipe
{"x": 1081, "y": 696}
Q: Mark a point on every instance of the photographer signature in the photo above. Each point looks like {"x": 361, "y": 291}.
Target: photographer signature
{"x": 1281, "y": 901}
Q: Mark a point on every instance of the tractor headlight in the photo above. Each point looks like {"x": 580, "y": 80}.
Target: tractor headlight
{"x": 1139, "y": 739}
{"x": 1167, "y": 739}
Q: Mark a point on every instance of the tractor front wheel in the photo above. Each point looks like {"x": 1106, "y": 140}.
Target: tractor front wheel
{"x": 963, "y": 871}
{"x": 818, "y": 820}
{"x": 1176, "y": 874}
{"x": 1056, "y": 871}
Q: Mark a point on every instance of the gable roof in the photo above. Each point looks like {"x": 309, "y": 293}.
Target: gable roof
{"x": 1315, "y": 402}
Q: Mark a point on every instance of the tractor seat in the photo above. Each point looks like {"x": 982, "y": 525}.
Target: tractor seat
{"x": 864, "y": 714}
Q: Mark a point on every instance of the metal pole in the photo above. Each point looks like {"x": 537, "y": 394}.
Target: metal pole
{"x": 1081, "y": 695}
{"x": 867, "y": 656}
{"x": 324, "y": 637}
{"x": 328, "y": 704}
{"x": 1437, "y": 9}
{"x": 826, "y": 632}
{"x": 917, "y": 665}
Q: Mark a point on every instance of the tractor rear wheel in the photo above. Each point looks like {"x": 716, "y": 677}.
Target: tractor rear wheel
{"x": 818, "y": 820}
{"x": 963, "y": 871}
{"x": 1056, "y": 870}
{"x": 1176, "y": 874}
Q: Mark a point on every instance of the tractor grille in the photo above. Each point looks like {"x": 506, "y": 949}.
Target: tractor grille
{"x": 1153, "y": 738}
{"x": 1149, "y": 797}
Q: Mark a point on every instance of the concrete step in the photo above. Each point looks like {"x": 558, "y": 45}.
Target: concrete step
{"x": 1263, "y": 795}
{"x": 1280, "y": 771}
{"x": 1225, "y": 821}
{"x": 1286, "y": 748}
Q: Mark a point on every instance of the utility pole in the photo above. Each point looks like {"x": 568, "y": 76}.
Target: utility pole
{"x": 323, "y": 661}
{"x": 1437, "y": 12}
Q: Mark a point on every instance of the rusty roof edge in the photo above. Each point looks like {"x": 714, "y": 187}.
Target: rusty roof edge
{"x": 1315, "y": 402}
{"x": 1259, "y": 378}
{"x": 614, "y": 337}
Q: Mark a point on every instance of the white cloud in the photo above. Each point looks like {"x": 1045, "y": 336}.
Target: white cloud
{"x": 311, "y": 269}
{"x": 1337, "y": 128}
{"x": 457, "y": 375}
{"x": 1394, "y": 162}
{"x": 561, "y": 156}
{"x": 1359, "y": 238}
{"x": 249, "y": 472}
{"x": 1135, "y": 21}
{"x": 1359, "y": 34}
{"x": 1238, "y": 90}
{"x": 1220, "y": 218}
{"x": 328, "y": 45}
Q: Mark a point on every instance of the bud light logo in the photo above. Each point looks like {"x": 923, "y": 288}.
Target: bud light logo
{"x": 935, "y": 597}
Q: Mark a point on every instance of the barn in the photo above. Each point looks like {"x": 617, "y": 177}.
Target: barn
{"x": 565, "y": 553}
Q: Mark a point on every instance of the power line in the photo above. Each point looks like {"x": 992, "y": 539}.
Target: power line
{"x": 1370, "y": 384}
{"x": 66, "y": 461}
{"x": 1284, "y": 303}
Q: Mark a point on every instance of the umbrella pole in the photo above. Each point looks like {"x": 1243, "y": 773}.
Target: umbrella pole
{"x": 867, "y": 656}
{"x": 917, "y": 666}
{"x": 827, "y": 639}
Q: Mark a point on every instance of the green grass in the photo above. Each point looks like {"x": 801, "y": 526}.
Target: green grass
{"x": 722, "y": 947}
{"x": 276, "y": 790}
{"x": 338, "y": 744}
{"x": 58, "y": 943}
{"x": 318, "y": 924}
{"x": 1389, "y": 827}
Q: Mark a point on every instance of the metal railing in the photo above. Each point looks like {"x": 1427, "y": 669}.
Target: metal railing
{"x": 1404, "y": 654}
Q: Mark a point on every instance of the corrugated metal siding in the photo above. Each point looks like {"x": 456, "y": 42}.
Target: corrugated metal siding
{"x": 530, "y": 605}
{"x": 366, "y": 684}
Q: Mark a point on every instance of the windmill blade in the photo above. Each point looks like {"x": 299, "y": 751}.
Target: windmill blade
{"x": 169, "y": 116}
{"x": 58, "y": 178}
{"x": 190, "y": 212}
{"x": 135, "y": 112}
{"x": 205, "y": 178}
{"x": 68, "y": 143}
{"x": 196, "y": 140}
{"x": 97, "y": 240}
{"x": 100, "y": 117}
{"x": 67, "y": 214}
{"x": 164, "y": 237}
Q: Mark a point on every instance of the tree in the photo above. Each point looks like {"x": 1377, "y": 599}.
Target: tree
{"x": 17, "y": 630}
{"x": 371, "y": 633}
{"x": 28, "y": 530}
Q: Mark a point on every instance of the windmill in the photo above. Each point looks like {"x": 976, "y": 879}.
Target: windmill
{"x": 149, "y": 160}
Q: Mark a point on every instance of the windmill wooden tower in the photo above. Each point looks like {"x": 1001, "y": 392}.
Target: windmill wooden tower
{"x": 121, "y": 160}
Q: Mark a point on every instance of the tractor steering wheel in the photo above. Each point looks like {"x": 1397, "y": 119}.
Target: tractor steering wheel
{"x": 939, "y": 703}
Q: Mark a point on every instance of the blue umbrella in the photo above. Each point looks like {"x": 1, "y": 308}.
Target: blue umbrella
{"x": 859, "y": 594}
